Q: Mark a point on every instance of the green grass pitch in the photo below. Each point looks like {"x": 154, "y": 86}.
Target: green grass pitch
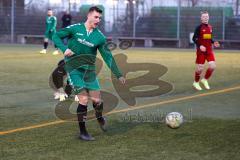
{"x": 210, "y": 133}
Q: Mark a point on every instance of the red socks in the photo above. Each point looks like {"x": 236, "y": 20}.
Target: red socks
{"x": 197, "y": 76}
{"x": 208, "y": 73}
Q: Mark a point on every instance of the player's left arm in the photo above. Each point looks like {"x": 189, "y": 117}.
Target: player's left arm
{"x": 53, "y": 24}
{"x": 109, "y": 60}
{"x": 214, "y": 42}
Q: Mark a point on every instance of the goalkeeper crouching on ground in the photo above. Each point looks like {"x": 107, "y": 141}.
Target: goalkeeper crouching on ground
{"x": 58, "y": 76}
{"x": 80, "y": 56}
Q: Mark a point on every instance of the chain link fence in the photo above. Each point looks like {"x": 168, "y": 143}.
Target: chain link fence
{"x": 156, "y": 27}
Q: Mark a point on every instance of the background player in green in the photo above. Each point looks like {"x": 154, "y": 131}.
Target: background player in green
{"x": 80, "y": 55}
{"x": 51, "y": 23}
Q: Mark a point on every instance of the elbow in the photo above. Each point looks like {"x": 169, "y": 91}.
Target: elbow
{"x": 194, "y": 39}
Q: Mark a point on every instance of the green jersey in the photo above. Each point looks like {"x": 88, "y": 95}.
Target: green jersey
{"x": 84, "y": 45}
{"x": 51, "y": 23}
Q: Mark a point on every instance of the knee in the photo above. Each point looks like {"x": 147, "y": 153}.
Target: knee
{"x": 96, "y": 100}
{"x": 98, "y": 106}
{"x": 199, "y": 68}
{"x": 82, "y": 109}
{"x": 83, "y": 100}
{"x": 212, "y": 66}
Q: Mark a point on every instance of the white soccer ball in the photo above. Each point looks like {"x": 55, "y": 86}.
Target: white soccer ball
{"x": 174, "y": 119}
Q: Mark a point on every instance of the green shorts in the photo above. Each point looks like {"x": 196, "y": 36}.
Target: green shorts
{"x": 82, "y": 79}
{"x": 49, "y": 35}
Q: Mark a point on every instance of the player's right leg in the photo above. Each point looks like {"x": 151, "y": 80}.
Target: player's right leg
{"x": 45, "y": 45}
{"x": 76, "y": 80}
{"x": 200, "y": 60}
{"x": 198, "y": 71}
{"x": 82, "y": 116}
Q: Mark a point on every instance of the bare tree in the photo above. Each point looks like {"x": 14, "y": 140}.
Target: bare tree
{"x": 36, "y": 4}
{"x": 237, "y": 6}
{"x": 191, "y": 3}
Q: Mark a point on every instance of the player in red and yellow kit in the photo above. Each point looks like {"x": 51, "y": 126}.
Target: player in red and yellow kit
{"x": 203, "y": 38}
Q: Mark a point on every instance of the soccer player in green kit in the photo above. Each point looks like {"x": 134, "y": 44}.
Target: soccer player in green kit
{"x": 80, "y": 55}
{"x": 51, "y": 23}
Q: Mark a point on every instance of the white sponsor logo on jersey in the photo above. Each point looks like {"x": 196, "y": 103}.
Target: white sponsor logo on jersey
{"x": 83, "y": 41}
{"x": 80, "y": 34}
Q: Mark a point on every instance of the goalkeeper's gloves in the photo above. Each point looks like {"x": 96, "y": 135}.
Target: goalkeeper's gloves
{"x": 62, "y": 96}
{"x": 76, "y": 98}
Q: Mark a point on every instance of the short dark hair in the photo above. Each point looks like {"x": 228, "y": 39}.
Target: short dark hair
{"x": 204, "y": 12}
{"x": 95, "y": 8}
